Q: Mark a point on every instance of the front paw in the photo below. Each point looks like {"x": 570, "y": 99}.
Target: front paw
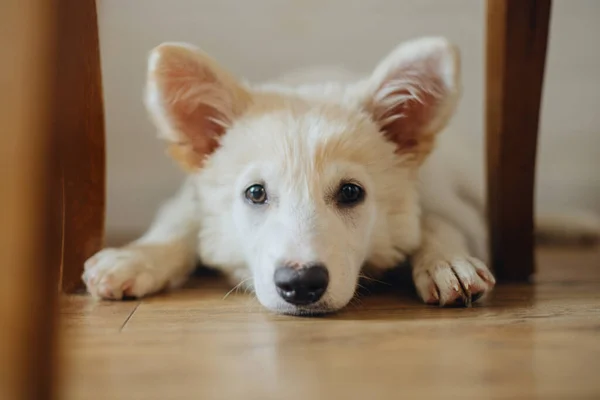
{"x": 454, "y": 281}
{"x": 115, "y": 273}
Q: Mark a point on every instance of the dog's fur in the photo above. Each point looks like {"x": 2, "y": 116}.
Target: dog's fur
{"x": 301, "y": 141}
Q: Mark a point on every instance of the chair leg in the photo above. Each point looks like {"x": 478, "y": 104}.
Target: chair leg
{"x": 517, "y": 33}
{"x": 80, "y": 120}
{"x": 30, "y": 238}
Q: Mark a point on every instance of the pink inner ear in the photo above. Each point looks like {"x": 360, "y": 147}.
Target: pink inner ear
{"x": 407, "y": 102}
{"x": 193, "y": 101}
{"x": 203, "y": 132}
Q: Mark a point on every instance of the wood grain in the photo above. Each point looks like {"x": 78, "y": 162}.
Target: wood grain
{"x": 29, "y": 236}
{"x": 527, "y": 342}
{"x": 517, "y": 33}
{"x": 79, "y": 119}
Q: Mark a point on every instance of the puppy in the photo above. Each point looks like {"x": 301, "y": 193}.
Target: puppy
{"x": 297, "y": 190}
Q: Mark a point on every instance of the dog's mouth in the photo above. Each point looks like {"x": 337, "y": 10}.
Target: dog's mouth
{"x": 313, "y": 310}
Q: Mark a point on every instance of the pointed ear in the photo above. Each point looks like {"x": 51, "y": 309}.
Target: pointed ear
{"x": 413, "y": 92}
{"x": 191, "y": 100}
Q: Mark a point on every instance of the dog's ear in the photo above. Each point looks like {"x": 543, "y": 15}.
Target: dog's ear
{"x": 413, "y": 92}
{"x": 191, "y": 100}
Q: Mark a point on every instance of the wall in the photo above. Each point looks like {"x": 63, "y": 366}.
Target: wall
{"x": 258, "y": 39}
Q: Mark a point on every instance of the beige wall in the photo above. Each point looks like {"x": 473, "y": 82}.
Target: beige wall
{"x": 261, "y": 38}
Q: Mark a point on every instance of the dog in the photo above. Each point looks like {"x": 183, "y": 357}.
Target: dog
{"x": 298, "y": 187}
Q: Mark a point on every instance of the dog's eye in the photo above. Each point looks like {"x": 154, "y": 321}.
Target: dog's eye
{"x": 257, "y": 194}
{"x": 350, "y": 194}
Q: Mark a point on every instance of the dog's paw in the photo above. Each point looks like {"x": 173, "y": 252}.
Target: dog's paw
{"x": 115, "y": 273}
{"x": 453, "y": 281}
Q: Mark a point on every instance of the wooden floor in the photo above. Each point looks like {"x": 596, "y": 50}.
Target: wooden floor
{"x": 537, "y": 341}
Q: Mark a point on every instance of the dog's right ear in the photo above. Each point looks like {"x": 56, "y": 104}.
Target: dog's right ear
{"x": 191, "y": 100}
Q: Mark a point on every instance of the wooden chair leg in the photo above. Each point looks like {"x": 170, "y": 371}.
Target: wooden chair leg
{"x": 517, "y": 33}
{"x": 80, "y": 119}
{"x": 30, "y": 240}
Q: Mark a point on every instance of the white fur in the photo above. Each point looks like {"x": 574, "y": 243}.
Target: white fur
{"x": 432, "y": 212}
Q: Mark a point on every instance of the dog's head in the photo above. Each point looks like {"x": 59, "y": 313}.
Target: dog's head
{"x": 305, "y": 185}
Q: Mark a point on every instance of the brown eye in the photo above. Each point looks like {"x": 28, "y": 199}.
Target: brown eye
{"x": 257, "y": 194}
{"x": 350, "y": 195}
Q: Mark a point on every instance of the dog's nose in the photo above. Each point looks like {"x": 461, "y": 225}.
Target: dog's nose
{"x": 301, "y": 286}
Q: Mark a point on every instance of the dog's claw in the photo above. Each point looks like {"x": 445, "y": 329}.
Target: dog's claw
{"x": 459, "y": 282}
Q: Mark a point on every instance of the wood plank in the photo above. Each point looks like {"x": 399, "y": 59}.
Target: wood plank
{"x": 30, "y": 239}
{"x": 528, "y": 341}
{"x": 517, "y": 33}
{"x": 79, "y": 115}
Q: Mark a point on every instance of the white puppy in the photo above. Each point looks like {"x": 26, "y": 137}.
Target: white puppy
{"x": 297, "y": 190}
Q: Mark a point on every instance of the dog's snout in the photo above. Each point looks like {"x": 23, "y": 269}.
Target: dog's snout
{"x": 301, "y": 286}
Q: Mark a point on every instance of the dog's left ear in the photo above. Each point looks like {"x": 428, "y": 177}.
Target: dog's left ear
{"x": 192, "y": 101}
{"x": 413, "y": 92}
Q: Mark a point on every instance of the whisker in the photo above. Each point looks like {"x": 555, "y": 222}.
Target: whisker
{"x": 355, "y": 302}
{"x": 368, "y": 278}
{"x": 363, "y": 288}
{"x": 236, "y": 287}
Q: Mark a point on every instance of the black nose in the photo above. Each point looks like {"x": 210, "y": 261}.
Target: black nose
{"x": 301, "y": 286}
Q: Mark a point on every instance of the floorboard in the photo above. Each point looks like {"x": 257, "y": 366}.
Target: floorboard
{"x": 538, "y": 341}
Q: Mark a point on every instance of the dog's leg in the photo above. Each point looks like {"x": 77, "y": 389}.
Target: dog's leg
{"x": 163, "y": 257}
{"x": 444, "y": 272}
